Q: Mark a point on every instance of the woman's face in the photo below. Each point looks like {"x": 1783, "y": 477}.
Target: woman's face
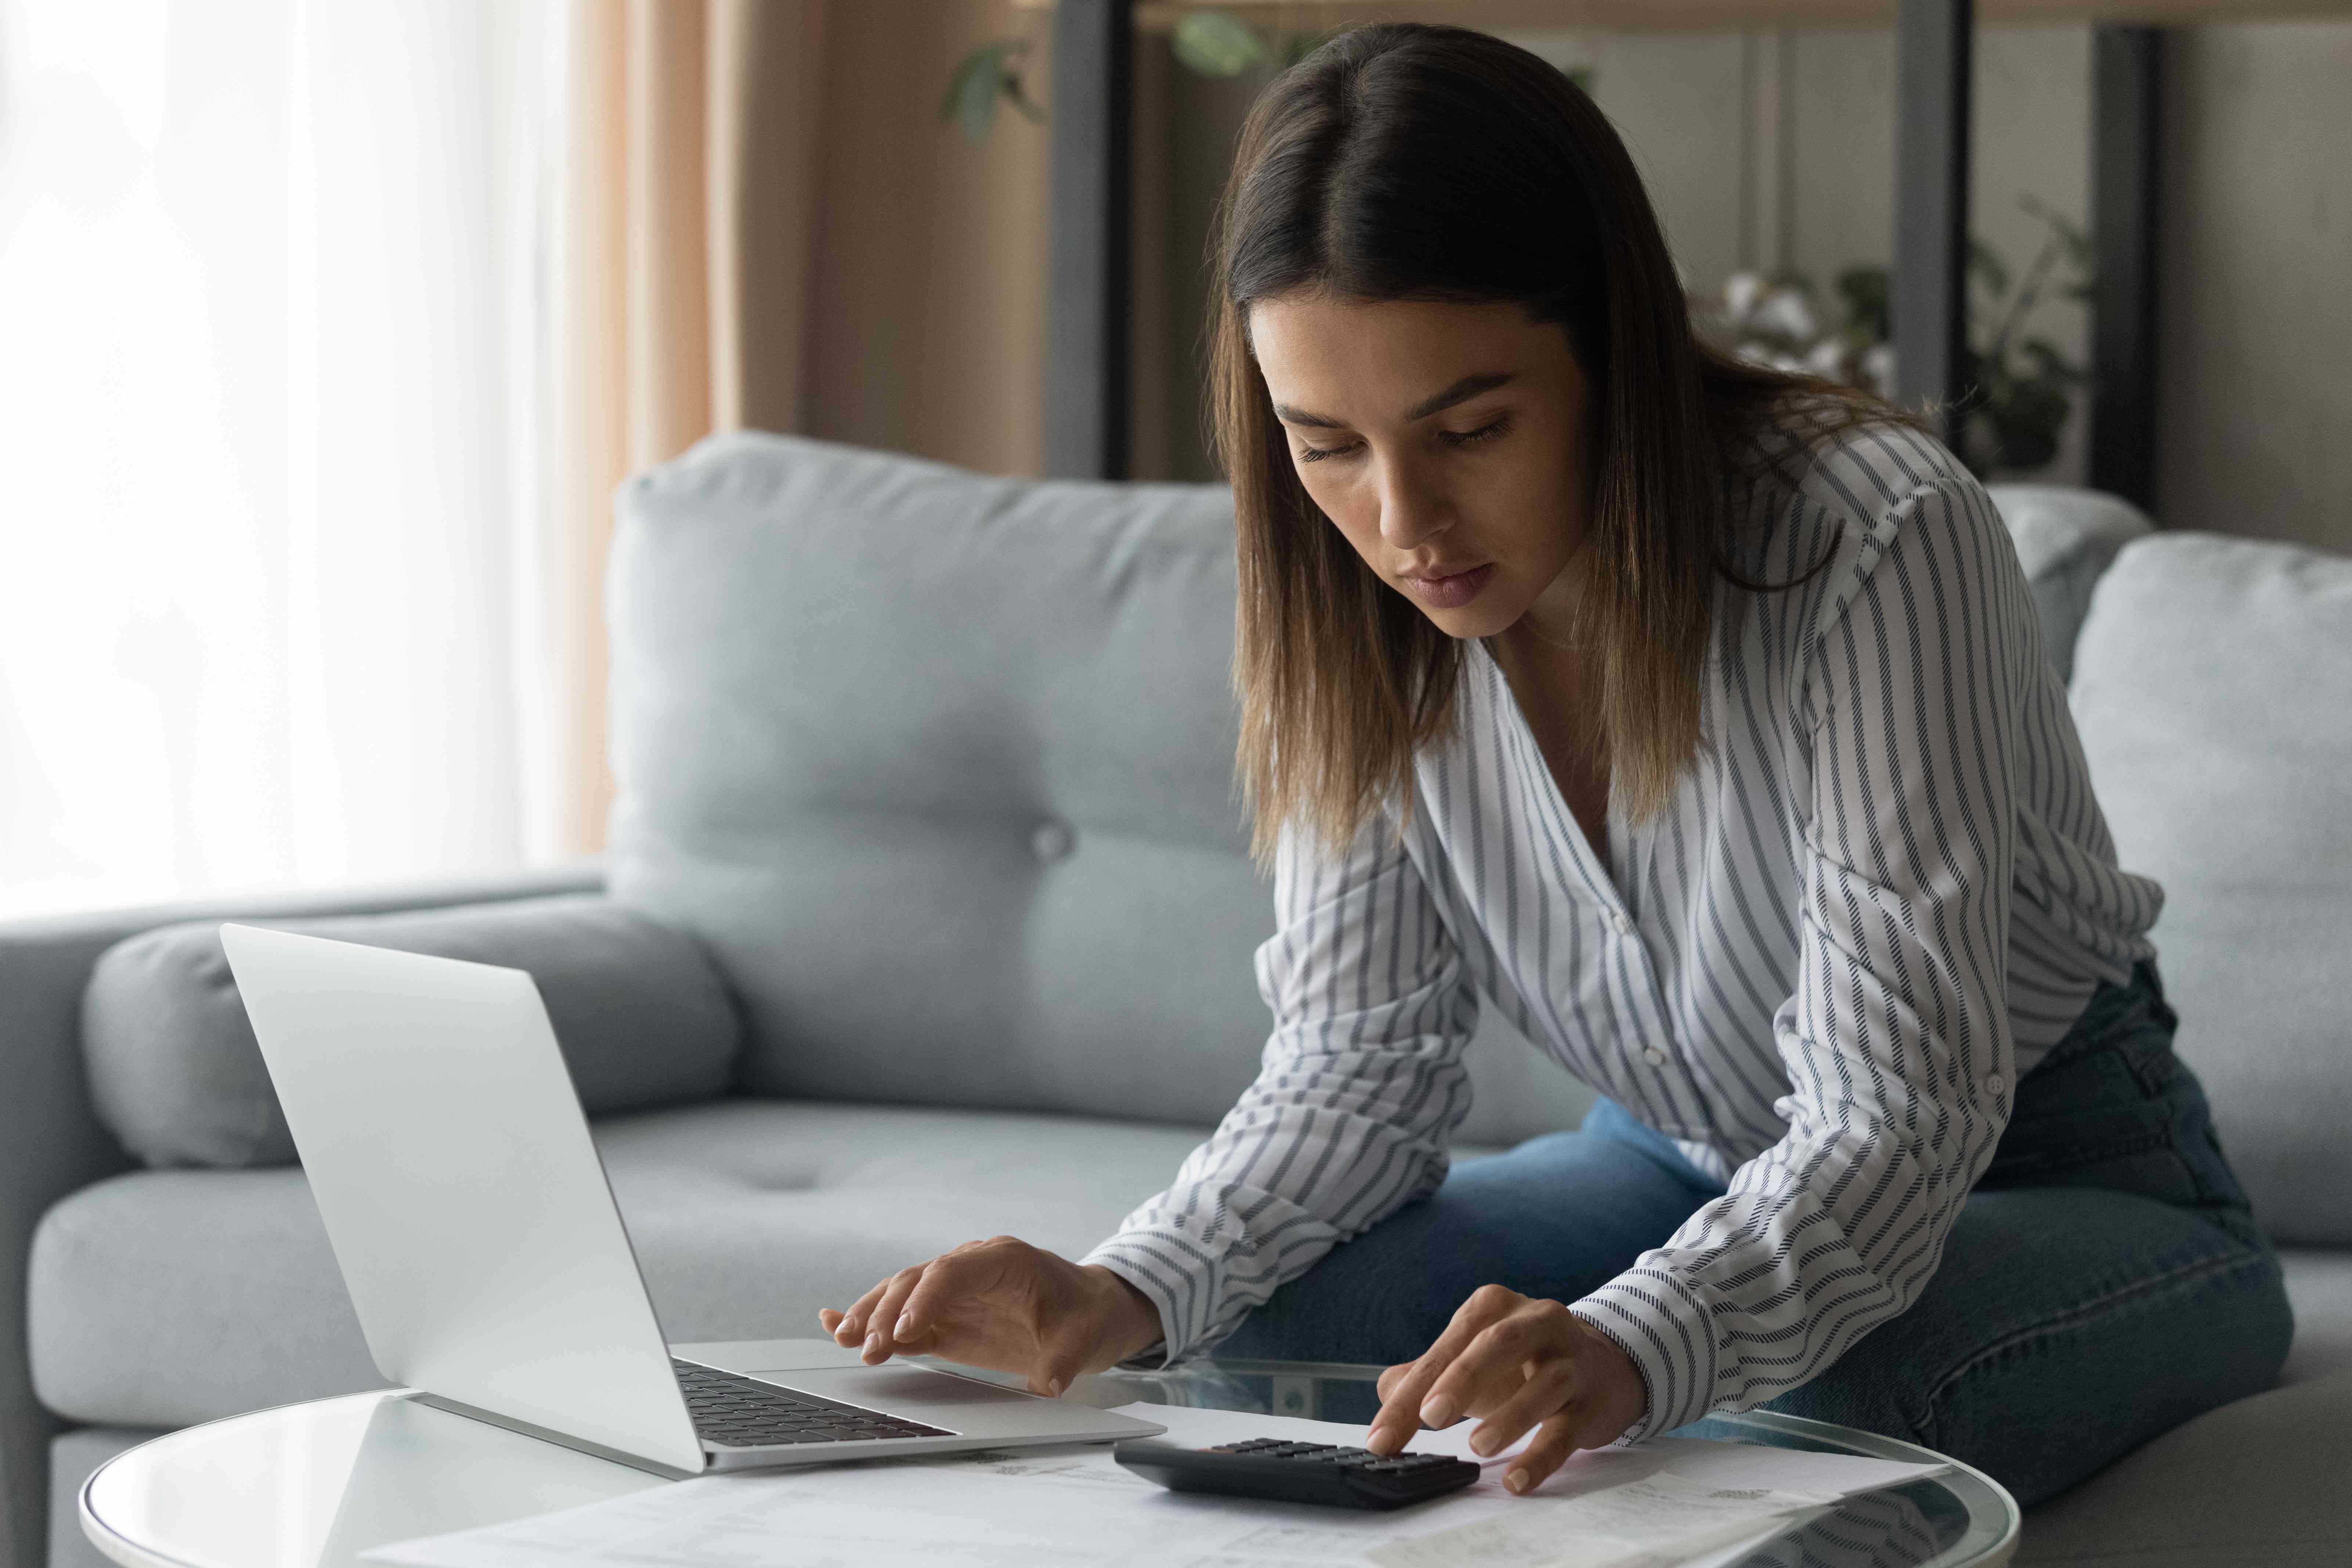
{"x": 1451, "y": 443}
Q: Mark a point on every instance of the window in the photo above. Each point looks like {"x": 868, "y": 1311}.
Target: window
{"x": 270, "y": 349}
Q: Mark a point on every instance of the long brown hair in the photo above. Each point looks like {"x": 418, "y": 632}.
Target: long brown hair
{"x": 1404, "y": 160}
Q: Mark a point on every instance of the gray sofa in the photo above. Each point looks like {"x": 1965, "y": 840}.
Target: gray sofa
{"x": 927, "y": 916}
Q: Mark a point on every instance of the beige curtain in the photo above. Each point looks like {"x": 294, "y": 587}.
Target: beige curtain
{"x": 689, "y": 206}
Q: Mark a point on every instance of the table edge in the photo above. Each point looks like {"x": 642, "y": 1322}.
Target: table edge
{"x": 2014, "y": 1517}
{"x": 131, "y": 1554}
{"x": 1853, "y": 1438}
{"x": 121, "y": 1549}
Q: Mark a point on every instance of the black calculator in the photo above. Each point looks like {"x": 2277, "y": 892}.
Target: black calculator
{"x": 1300, "y": 1472}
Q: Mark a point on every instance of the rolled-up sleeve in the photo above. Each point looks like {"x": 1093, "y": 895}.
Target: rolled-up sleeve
{"x": 1360, "y": 1086}
{"x": 1896, "y": 1042}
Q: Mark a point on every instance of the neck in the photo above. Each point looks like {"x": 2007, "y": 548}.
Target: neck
{"x": 1559, "y": 622}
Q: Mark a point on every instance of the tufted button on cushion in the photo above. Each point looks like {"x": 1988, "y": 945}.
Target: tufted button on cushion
{"x": 1054, "y": 840}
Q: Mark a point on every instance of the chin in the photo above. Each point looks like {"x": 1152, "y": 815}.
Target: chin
{"x": 1477, "y": 619}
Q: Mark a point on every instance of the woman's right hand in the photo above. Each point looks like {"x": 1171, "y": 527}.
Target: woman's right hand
{"x": 1004, "y": 1305}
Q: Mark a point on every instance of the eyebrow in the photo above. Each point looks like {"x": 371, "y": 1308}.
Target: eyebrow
{"x": 1461, "y": 391}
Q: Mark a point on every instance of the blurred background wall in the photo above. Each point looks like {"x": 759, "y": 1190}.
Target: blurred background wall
{"x": 2258, "y": 299}
{"x": 1762, "y": 150}
{"x": 928, "y": 303}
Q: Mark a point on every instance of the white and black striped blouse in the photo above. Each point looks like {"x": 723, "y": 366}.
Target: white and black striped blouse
{"x": 1884, "y": 891}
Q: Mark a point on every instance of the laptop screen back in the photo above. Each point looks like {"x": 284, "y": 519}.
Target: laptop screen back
{"x": 466, "y": 1202}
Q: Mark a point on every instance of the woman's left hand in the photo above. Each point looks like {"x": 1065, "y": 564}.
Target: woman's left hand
{"x": 1518, "y": 1364}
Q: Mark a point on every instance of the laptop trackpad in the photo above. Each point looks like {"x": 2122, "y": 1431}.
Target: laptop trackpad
{"x": 895, "y": 1389}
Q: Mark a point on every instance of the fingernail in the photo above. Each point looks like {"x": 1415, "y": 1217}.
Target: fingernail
{"x": 1482, "y": 1441}
{"x": 1517, "y": 1481}
{"x": 906, "y": 1329}
{"x": 874, "y": 1341}
{"x": 1438, "y": 1412}
{"x": 1054, "y": 1387}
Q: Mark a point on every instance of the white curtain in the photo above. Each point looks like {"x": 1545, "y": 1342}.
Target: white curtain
{"x": 270, "y": 407}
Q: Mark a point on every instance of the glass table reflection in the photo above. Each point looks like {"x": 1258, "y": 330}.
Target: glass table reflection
{"x": 319, "y": 1483}
{"x": 1961, "y": 1519}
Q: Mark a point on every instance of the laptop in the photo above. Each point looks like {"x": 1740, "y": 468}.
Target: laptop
{"x": 475, "y": 1228}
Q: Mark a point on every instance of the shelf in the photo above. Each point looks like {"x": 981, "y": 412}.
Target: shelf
{"x": 1725, "y": 15}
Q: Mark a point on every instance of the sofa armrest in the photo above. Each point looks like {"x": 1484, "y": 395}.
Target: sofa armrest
{"x": 52, "y": 1142}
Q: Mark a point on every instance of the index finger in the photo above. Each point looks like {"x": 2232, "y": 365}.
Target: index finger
{"x": 851, "y": 1329}
{"x": 1400, "y": 1413}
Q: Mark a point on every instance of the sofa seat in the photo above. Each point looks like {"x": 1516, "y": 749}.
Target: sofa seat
{"x": 163, "y": 1298}
{"x": 2260, "y": 1482}
{"x": 2255, "y": 1485}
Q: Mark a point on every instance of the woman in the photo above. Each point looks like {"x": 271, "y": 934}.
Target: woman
{"x": 1696, "y": 716}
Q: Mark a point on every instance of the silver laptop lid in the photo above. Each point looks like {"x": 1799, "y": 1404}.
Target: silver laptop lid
{"x": 466, "y": 1202}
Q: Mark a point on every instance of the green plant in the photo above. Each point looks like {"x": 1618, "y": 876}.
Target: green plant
{"x": 1207, "y": 42}
{"x": 989, "y": 73}
{"x": 2021, "y": 386}
{"x": 1213, "y": 44}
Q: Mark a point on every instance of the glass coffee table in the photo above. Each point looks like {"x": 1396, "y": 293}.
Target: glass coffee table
{"x": 317, "y": 1484}
{"x": 1961, "y": 1519}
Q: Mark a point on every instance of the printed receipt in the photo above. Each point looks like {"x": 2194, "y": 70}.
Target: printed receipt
{"x": 1674, "y": 1501}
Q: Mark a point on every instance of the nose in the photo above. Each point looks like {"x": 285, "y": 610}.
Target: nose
{"x": 1412, "y": 511}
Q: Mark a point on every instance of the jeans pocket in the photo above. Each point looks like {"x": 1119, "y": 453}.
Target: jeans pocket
{"x": 2111, "y": 1106}
{"x": 2092, "y": 1121}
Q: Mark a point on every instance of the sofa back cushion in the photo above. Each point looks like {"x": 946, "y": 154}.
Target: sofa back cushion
{"x": 940, "y": 769}
{"x": 2065, "y": 537}
{"x": 2214, "y": 691}
{"x": 644, "y": 1019}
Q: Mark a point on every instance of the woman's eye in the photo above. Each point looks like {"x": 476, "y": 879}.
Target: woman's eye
{"x": 1485, "y": 432}
{"x": 1316, "y": 454}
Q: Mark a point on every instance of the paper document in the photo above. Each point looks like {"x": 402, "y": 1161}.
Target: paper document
{"x": 1073, "y": 1507}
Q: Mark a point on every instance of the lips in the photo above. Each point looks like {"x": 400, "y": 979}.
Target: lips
{"x": 1449, "y": 588}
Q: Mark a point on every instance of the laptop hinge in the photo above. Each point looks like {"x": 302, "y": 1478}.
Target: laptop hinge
{"x": 565, "y": 1439}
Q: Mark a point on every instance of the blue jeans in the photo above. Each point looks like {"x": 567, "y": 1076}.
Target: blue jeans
{"x": 2102, "y": 1283}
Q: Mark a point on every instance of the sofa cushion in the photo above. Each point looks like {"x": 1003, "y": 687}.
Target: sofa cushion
{"x": 2257, "y": 1484}
{"x": 163, "y": 1298}
{"x": 644, "y": 1019}
{"x": 2065, "y": 537}
{"x": 2214, "y": 692}
{"x": 940, "y": 767}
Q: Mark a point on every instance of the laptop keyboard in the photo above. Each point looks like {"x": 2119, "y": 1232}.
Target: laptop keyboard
{"x": 739, "y": 1413}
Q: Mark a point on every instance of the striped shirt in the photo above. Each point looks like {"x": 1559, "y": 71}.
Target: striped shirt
{"x": 1883, "y": 891}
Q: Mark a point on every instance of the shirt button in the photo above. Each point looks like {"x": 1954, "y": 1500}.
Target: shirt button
{"x": 1993, "y": 1083}
{"x": 1624, "y": 924}
{"x": 1655, "y": 1057}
